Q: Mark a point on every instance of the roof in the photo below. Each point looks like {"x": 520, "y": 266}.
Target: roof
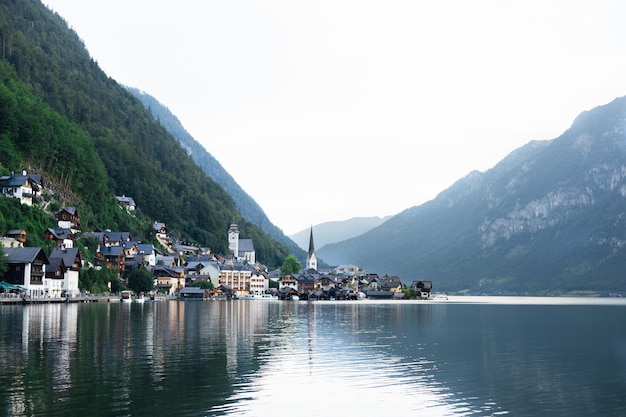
{"x": 125, "y": 200}
{"x": 70, "y": 210}
{"x": 60, "y": 232}
{"x": 24, "y": 255}
{"x": 191, "y": 290}
{"x": 67, "y": 254}
{"x": 246, "y": 245}
{"x": 112, "y": 250}
{"x": 17, "y": 180}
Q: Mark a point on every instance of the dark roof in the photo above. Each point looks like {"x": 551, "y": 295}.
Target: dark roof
{"x": 53, "y": 265}
{"x": 112, "y": 250}
{"x": 17, "y": 180}
{"x": 70, "y": 210}
{"x": 24, "y": 255}
{"x": 60, "y": 233}
{"x": 191, "y": 290}
{"x": 67, "y": 254}
{"x": 246, "y": 245}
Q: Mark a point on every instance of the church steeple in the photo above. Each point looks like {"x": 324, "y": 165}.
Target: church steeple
{"x": 311, "y": 259}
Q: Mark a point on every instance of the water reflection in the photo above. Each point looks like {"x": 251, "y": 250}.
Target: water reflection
{"x": 263, "y": 358}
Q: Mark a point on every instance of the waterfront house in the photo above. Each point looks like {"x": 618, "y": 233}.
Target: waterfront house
{"x": 53, "y": 281}
{"x": 288, "y": 281}
{"x": 72, "y": 264}
{"x": 237, "y": 276}
{"x": 258, "y": 282}
{"x": 193, "y": 293}
{"x": 422, "y": 288}
{"x": 168, "y": 280}
{"x": 26, "y": 267}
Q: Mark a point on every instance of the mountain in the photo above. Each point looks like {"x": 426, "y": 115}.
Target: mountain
{"x": 336, "y": 231}
{"x": 548, "y": 219}
{"x": 62, "y": 116}
{"x": 246, "y": 205}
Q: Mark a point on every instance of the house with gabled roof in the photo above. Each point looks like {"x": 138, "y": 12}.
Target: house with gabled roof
{"x": 17, "y": 234}
{"x": 68, "y": 218}
{"x": 63, "y": 237}
{"x": 168, "y": 280}
{"x": 23, "y": 186}
{"x": 26, "y": 268}
{"x": 54, "y": 277}
{"x": 72, "y": 263}
{"x": 127, "y": 203}
{"x": 113, "y": 257}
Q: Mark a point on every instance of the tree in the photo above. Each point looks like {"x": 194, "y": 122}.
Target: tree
{"x": 290, "y": 266}
{"x": 205, "y": 284}
{"x": 3, "y": 263}
{"x": 140, "y": 280}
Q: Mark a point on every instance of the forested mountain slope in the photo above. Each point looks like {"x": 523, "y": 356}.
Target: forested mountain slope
{"x": 250, "y": 210}
{"x": 549, "y": 218}
{"x": 114, "y": 147}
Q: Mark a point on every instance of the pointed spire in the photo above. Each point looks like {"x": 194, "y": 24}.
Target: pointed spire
{"x": 311, "y": 245}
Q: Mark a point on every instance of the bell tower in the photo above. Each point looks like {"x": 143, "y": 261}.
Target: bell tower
{"x": 233, "y": 240}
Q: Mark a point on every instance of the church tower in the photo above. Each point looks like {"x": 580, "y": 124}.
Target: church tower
{"x": 233, "y": 240}
{"x": 311, "y": 259}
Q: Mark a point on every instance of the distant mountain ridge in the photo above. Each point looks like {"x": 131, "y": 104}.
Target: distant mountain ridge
{"x": 336, "y": 231}
{"x": 550, "y": 218}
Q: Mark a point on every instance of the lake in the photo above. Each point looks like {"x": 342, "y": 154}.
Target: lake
{"x": 468, "y": 356}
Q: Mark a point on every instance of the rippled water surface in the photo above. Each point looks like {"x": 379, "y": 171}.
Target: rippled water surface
{"x": 467, "y": 356}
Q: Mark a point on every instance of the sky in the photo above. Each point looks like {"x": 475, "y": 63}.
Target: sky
{"x": 327, "y": 110}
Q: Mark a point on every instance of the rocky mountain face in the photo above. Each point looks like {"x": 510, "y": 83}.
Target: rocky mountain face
{"x": 550, "y": 218}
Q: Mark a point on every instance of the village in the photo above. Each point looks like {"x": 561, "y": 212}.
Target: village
{"x": 176, "y": 267}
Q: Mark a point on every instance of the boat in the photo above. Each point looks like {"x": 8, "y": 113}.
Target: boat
{"x": 127, "y": 296}
{"x": 295, "y": 298}
{"x": 140, "y": 298}
{"x": 439, "y": 297}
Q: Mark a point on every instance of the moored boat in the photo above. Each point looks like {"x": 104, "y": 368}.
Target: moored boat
{"x": 127, "y": 296}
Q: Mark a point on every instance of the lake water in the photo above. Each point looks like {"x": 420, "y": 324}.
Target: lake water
{"x": 465, "y": 357}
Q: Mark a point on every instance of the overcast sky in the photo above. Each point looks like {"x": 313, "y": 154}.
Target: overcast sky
{"x": 327, "y": 110}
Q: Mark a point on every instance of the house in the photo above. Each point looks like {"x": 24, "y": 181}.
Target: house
{"x": 259, "y": 283}
{"x": 113, "y": 257}
{"x": 68, "y": 218}
{"x": 288, "y": 281}
{"x": 24, "y": 186}
{"x": 54, "y": 277}
{"x": 193, "y": 293}
{"x": 72, "y": 264}
{"x": 422, "y": 288}
{"x": 147, "y": 253}
{"x": 63, "y": 237}
{"x": 17, "y": 234}
{"x": 237, "y": 276}
{"x": 160, "y": 229}
{"x": 168, "y": 280}
{"x": 26, "y": 268}
{"x": 127, "y": 203}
